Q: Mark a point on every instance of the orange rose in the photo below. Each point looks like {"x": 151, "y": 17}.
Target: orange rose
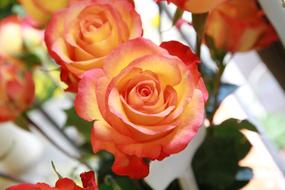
{"x": 196, "y": 6}
{"x": 15, "y": 34}
{"x": 146, "y": 103}
{"x": 88, "y": 182}
{"x": 16, "y": 88}
{"x": 80, "y": 36}
{"x": 238, "y": 26}
{"x": 40, "y": 11}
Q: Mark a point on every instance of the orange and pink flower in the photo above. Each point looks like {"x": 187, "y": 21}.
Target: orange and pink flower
{"x": 239, "y": 26}
{"x": 88, "y": 182}
{"x": 80, "y": 37}
{"x": 146, "y": 103}
{"x": 41, "y": 11}
{"x": 16, "y": 88}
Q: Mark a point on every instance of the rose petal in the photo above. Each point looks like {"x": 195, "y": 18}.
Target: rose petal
{"x": 88, "y": 180}
{"x": 117, "y": 60}
{"x": 116, "y": 107}
{"x": 103, "y": 137}
{"x": 86, "y": 100}
{"x": 187, "y": 126}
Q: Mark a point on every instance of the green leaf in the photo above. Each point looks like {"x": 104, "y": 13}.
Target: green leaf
{"x": 216, "y": 162}
{"x": 82, "y": 126}
{"x": 30, "y": 59}
{"x": 4, "y": 3}
{"x": 122, "y": 183}
{"x": 105, "y": 187}
{"x": 22, "y": 123}
{"x": 174, "y": 185}
{"x": 6, "y": 7}
{"x": 240, "y": 124}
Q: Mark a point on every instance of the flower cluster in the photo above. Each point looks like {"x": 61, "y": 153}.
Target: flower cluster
{"x": 146, "y": 103}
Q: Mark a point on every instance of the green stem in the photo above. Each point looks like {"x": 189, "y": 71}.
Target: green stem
{"x": 199, "y": 21}
{"x": 215, "y": 95}
{"x": 198, "y": 46}
{"x": 76, "y": 158}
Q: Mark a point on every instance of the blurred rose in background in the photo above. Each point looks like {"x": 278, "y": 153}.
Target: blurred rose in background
{"x": 41, "y": 11}
{"x": 195, "y": 6}
{"x": 16, "y": 35}
{"x": 16, "y": 88}
{"x": 239, "y": 26}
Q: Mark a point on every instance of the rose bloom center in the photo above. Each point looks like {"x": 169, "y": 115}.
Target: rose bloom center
{"x": 144, "y": 90}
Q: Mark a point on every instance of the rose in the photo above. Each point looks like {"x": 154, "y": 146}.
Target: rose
{"x": 87, "y": 179}
{"x": 40, "y": 11}
{"x": 238, "y": 26}
{"x": 195, "y": 6}
{"x": 146, "y": 103}
{"x": 80, "y": 36}
{"x": 16, "y": 88}
{"x": 16, "y": 34}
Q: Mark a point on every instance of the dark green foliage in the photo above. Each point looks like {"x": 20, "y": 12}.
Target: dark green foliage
{"x": 22, "y": 123}
{"x": 174, "y": 185}
{"x": 216, "y": 163}
{"x": 6, "y": 7}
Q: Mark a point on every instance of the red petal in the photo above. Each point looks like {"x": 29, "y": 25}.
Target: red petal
{"x": 182, "y": 51}
{"x": 88, "y": 180}
{"x": 24, "y": 187}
